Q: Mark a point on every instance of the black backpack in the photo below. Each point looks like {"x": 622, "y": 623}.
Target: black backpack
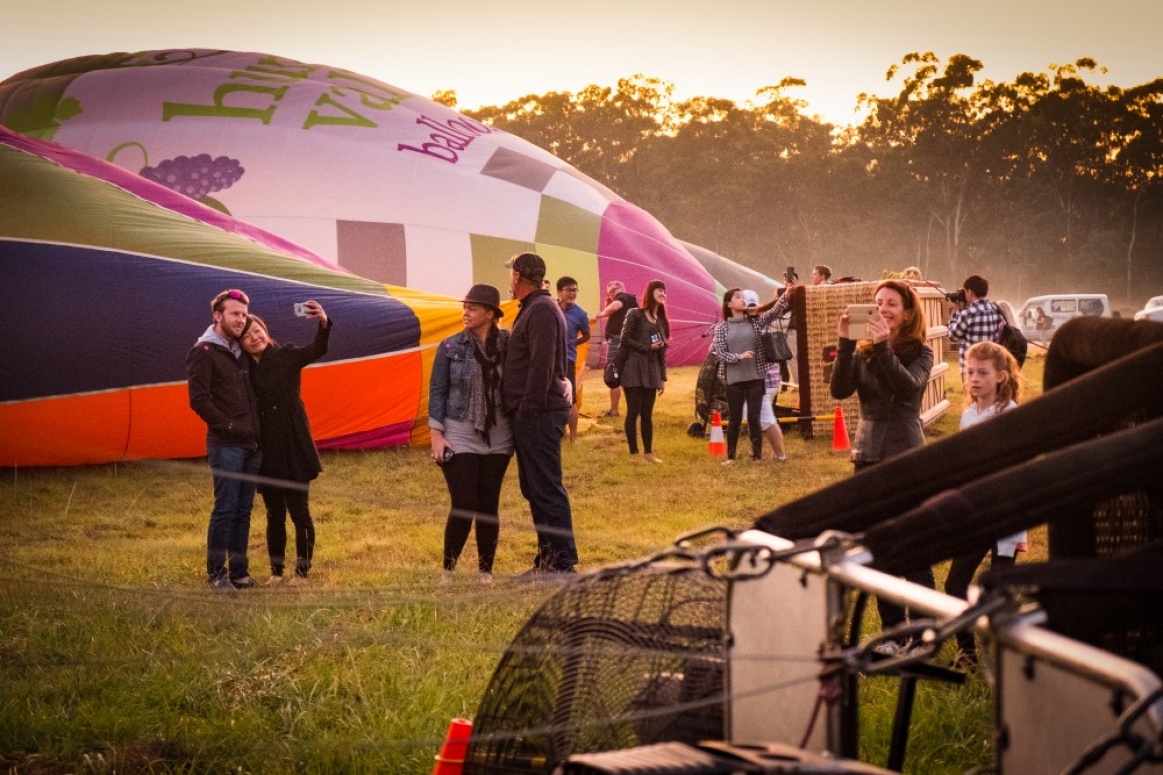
{"x": 1011, "y": 338}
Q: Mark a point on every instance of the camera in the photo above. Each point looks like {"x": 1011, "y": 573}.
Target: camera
{"x": 957, "y": 297}
{"x": 448, "y": 453}
{"x": 300, "y": 309}
{"x": 789, "y": 273}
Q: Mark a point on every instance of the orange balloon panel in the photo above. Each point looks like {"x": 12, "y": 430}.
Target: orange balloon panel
{"x": 74, "y": 430}
{"x": 374, "y": 399}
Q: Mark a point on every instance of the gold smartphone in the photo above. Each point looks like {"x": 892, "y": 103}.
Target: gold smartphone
{"x": 858, "y": 315}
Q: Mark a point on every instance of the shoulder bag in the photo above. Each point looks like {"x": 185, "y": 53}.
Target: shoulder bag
{"x": 775, "y": 345}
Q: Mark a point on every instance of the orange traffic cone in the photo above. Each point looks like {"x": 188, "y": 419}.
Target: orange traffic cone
{"x": 717, "y": 447}
{"x": 840, "y": 433}
{"x": 450, "y": 760}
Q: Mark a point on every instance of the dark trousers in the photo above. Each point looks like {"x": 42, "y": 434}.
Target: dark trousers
{"x": 961, "y": 573}
{"x": 640, "y": 405}
{"x": 474, "y": 484}
{"x": 537, "y": 440}
{"x": 279, "y": 501}
{"x": 749, "y": 392}
{"x": 234, "y": 469}
{"x": 891, "y": 614}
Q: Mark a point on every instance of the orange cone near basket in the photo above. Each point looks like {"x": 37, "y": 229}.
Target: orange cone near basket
{"x": 840, "y": 433}
{"x": 717, "y": 447}
{"x": 450, "y": 760}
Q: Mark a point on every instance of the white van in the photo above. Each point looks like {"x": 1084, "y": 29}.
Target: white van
{"x": 1041, "y": 316}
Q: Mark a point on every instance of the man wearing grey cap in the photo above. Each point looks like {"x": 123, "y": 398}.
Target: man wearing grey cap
{"x": 536, "y": 395}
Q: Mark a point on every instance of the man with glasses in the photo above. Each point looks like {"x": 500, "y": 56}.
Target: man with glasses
{"x": 577, "y": 332}
{"x": 221, "y": 394}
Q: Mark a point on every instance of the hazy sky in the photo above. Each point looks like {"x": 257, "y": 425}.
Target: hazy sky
{"x": 491, "y": 52}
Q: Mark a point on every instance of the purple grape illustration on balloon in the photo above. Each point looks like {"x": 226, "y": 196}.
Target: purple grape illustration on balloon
{"x": 196, "y": 176}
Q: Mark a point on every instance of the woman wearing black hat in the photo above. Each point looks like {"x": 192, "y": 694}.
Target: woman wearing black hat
{"x": 471, "y": 437}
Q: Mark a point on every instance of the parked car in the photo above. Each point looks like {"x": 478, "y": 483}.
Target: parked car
{"x": 1152, "y": 310}
{"x": 1041, "y": 316}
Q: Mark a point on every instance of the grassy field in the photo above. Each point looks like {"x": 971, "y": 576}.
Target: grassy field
{"x": 116, "y": 657}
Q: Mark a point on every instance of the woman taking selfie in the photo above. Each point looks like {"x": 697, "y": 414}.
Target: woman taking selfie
{"x": 643, "y": 347}
{"x": 888, "y": 371}
{"x": 288, "y": 451}
{"x": 471, "y": 437}
{"x": 742, "y": 364}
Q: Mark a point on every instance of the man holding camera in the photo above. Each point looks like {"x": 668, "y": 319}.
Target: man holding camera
{"x": 975, "y": 319}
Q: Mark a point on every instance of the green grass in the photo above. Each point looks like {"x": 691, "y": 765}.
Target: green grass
{"x": 115, "y": 657}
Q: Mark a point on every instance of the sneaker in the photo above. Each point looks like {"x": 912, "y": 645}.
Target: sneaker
{"x": 446, "y": 578}
{"x": 486, "y": 578}
{"x": 274, "y": 581}
{"x": 559, "y": 576}
{"x": 781, "y": 459}
{"x": 246, "y": 582}
{"x": 729, "y": 462}
{"x": 650, "y": 458}
{"x": 548, "y": 575}
{"x": 221, "y": 585}
{"x": 297, "y": 581}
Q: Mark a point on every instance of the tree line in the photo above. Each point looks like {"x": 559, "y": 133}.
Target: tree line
{"x": 1046, "y": 183}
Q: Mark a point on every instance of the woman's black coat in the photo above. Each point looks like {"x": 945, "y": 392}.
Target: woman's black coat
{"x": 288, "y": 451}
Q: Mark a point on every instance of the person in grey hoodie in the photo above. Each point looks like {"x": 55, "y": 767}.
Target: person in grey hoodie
{"x": 221, "y": 394}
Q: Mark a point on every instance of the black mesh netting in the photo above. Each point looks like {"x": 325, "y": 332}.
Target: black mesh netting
{"x": 612, "y": 661}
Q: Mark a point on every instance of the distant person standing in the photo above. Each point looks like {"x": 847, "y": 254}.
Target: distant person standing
{"x": 577, "y": 332}
{"x": 975, "y": 319}
{"x": 221, "y": 394}
{"x": 536, "y": 396}
{"x": 821, "y": 274}
{"x": 289, "y": 461}
{"x": 644, "y": 341}
{"x": 472, "y": 438}
{"x": 618, "y": 303}
{"x": 772, "y": 376}
{"x": 742, "y": 366}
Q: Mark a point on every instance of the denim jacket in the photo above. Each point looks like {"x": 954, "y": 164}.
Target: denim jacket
{"x": 451, "y": 369}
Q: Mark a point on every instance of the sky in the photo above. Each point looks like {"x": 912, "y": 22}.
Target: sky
{"x": 493, "y": 52}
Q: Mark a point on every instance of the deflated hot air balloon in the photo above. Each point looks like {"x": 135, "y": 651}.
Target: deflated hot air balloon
{"x": 383, "y": 183}
{"x": 107, "y": 278}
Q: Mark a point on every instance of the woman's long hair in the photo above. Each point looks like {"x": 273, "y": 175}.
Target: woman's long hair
{"x": 727, "y": 300}
{"x": 912, "y": 332}
{"x": 913, "y": 327}
{"x": 655, "y": 308}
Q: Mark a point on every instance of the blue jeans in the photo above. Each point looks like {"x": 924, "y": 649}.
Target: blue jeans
{"x": 537, "y": 441}
{"x": 234, "y": 487}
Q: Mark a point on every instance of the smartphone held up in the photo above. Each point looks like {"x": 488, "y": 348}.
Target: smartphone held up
{"x": 858, "y": 317}
{"x": 301, "y": 309}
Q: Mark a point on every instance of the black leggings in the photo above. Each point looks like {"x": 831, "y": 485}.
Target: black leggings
{"x": 640, "y": 403}
{"x": 474, "y": 484}
{"x": 961, "y": 573}
{"x": 891, "y": 614}
{"x": 279, "y": 501}
{"x": 751, "y": 393}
